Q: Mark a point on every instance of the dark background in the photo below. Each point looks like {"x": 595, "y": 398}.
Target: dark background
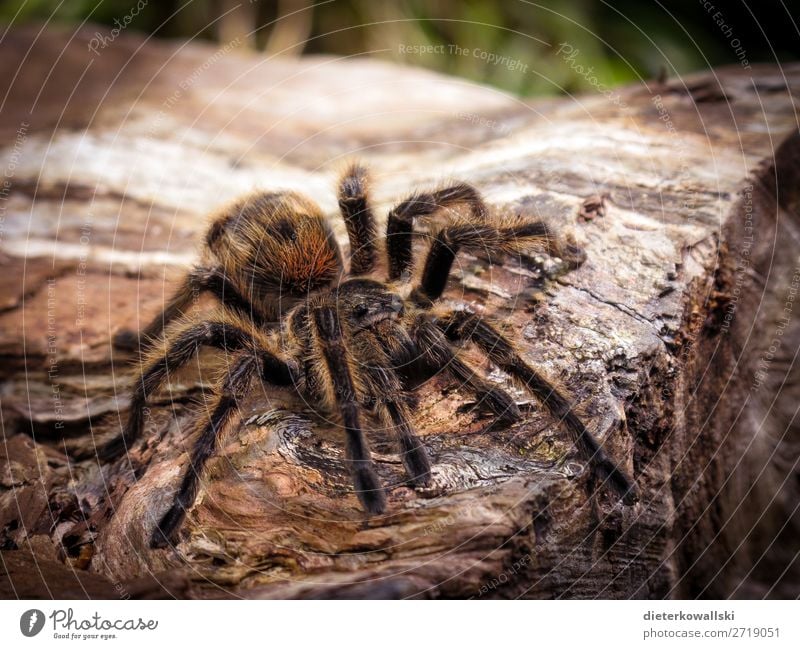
{"x": 622, "y": 41}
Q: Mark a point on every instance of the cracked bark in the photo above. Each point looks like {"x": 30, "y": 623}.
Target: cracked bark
{"x": 663, "y": 337}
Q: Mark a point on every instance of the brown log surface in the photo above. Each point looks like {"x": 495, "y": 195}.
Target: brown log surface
{"x": 674, "y": 338}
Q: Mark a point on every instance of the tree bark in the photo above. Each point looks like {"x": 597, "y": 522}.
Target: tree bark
{"x": 677, "y": 339}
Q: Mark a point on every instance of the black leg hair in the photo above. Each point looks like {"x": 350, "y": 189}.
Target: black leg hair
{"x": 479, "y": 238}
{"x": 327, "y": 328}
{"x": 197, "y": 281}
{"x": 400, "y": 222}
{"x": 438, "y": 355}
{"x": 182, "y": 349}
{"x": 234, "y": 386}
{"x": 400, "y": 351}
{"x": 463, "y": 325}
{"x": 415, "y": 459}
{"x": 357, "y": 214}
{"x": 386, "y": 394}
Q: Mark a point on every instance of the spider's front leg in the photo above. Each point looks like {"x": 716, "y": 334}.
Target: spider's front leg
{"x": 385, "y": 393}
{"x": 485, "y": 238}
{"x": 464, "y": 325}
{"x": 400, "y": 222}
{"x": 355, "y": 207}
{"x": 328, "y": 343}
{"x": 234, "y": 386}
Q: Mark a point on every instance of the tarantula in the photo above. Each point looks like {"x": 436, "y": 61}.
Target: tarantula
{"x": 291, "y": 316}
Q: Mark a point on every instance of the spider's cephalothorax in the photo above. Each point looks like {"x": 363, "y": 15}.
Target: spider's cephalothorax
{"x": 353, "y": 344}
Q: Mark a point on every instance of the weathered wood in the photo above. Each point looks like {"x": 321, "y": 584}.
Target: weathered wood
{"x": 663, "y": 337}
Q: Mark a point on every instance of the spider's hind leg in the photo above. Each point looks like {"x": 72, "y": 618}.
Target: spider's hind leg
{"x": 233, "y": 387}
{"x": 245, "y": 367}
{"x": 463, "y": 325}
{"x": 198, "y": 280}
{"x": 182, "y": 347}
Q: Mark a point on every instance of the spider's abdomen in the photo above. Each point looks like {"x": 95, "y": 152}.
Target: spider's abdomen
{"x": 275, "y": 244}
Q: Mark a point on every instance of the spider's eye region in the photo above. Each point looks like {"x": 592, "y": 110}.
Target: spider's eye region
{"x": 361, "y": 309}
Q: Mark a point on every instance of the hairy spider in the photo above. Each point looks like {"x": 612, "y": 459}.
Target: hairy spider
{"x": 351, "y": 343}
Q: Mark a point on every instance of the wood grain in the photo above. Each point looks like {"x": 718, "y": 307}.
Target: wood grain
{"x": 673, "y": 338}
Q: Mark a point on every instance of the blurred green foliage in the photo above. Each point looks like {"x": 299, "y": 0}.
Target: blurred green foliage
{"x": 621, "y": 41}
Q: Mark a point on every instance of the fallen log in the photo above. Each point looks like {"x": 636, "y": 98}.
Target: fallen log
{"x": 677, "y": 339}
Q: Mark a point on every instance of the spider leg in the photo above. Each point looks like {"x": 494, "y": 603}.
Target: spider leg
{"x": 400, "y": 222}
{"x": 182, "y": 348}
{"x": 463, "y": 325}
{"x": 328, "y": 337}
{"x": 198, "y": 280}
{"x": 415, "y": 459}
{"x": 436, "y": 353}
{"x": 233, "y": 386}
{"x": 386, "y": 392}
{"x": 357, "y": 213}
{"x": 482, "y": 237}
